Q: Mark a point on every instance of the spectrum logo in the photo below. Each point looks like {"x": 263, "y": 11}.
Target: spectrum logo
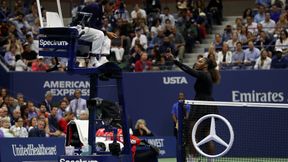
{"x": 44, "y": 43}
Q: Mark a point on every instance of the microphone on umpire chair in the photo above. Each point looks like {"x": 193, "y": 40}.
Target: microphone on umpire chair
{"x": 81, "y": 33}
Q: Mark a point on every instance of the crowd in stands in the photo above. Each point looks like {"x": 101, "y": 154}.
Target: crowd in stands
{"x": 150, "y": 28}
{"x": 25, "y": 118}
{"x": 22, "y": 118}
{"x": 257, "y": 40}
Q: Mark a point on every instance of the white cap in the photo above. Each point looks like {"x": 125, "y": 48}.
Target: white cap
{"x": 278, "y": 50}
{"x": 40, "y": 57}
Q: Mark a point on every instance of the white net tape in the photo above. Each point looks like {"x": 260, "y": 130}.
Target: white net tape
{"x": 236, "y": 104}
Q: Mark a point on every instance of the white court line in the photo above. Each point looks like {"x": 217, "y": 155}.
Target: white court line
{"x": 236, "y": 104}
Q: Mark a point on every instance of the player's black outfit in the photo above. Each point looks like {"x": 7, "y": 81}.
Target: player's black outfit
{"x": 203, "y": 89}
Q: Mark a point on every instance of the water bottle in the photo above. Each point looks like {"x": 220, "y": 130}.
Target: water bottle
{"x": 85, "y": 150}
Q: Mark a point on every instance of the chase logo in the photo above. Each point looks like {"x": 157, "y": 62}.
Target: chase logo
{"x": 43, "y": 43}
{"x": 175, "y": 80}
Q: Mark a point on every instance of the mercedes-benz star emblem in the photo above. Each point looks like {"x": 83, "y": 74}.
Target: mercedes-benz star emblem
{"x": 212, "y": 135}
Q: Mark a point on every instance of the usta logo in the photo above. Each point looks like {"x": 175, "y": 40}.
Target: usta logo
{"x": 175, "y": 80}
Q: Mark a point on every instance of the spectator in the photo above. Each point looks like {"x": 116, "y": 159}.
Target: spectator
{"x": 227, "y": 33}
{"x": 28, "y": 54}
{"x": 238, "y": 24}
{"x": 21, "y": 25}
{"x": 232, "y": 42}
{"x": 242, "y": 36}
{"x": 263, "y": 62}
{"x": 141, "y": 37}
{"x": 43, "y": 110}
{"x": 141, "y": 129}
{"x": 282, "y": 22}
{"x": 167, "y": 28}
{"x": 32, "y": 15}
{"x": 263, "y": 42}
{"x": 39, "y": 65}
{"x": 34, "y": 44}
{"x": 224, "y": 58}
{"x": 39, "y": 130}
{"x": 216, "y": 8}
{"x": 157, "y": 40}
{"x": 48, "y": 100}
{"x": 211, "y": 51}
{"x": 16, "y": 114}
{"x": 20, "y": 101}
{"x": 122, "y": 13}
{"x": 62, "y": 109}
{"x": 125, "y": 29}
{"x": 13, "y": 41}
{"x": 21, "y": 64}
{"x": 84, "y": 115}
{"x": 10, "y": 57}
{"x": 2, "y": 113}
{"x": 77, "y": 104}
{"x": 4, "y": 8}
{"x": 6, "y": 127}
{"x": 275, "y": 13}
{"x": 117, "y": 48}
{"x": 251, "y": 54}
{"x": 19, "y": 7}
{"x": 143, "y": 64}
{"x": 259, "y": 29}
{"x": 152, "y": 6}
{"x": 43, "y": 118}
{"x": 279, "y": 61}
{"x": 282, "y": 42}
{"x": 135, "y": 54}
{"x": 32, "y": 123}
{"x": 5, "y": 113}
{"x": 32, "y": 112}
{"x": 247, "y": 12}
{"x": 218, "y": 42}
{"x": 250, "y": 37}
{"x": 260, "y": 16}
{"x": 53, "y": 123}
{"x": 238, "y": 55}
{"x": 35, "y": 28}
{"x": 190, "y": 31}
{"x": 268, "y": 24}
{"x": 18, "y": 129}
{"x": 155, "y": 28}
{"x": 179, "y": 42}
{"x": 167, "y": 15}
{"x": 63, "y": 122}
{"x": 10, "y": 104}
{"x": 175, "y": 108}
{"x": 167, "y": 46}
{"x": 138, "y": 13}
{"x": 251, "y": 26}
{"x": 156, "y": 56}
{"x": 3, "y": 92}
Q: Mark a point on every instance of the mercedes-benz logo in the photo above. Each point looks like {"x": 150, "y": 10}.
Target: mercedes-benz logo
{"x": 212, "y": 135}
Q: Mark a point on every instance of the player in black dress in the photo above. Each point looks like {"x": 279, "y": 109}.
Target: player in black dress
{"x": 206, "y": 75}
